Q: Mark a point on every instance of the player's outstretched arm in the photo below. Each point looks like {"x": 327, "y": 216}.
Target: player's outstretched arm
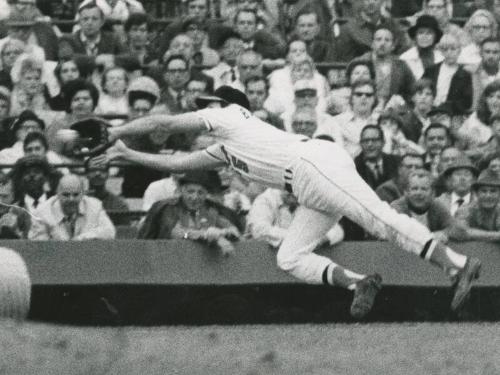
{"x": 170, "y": 163}
{"x": 183, "y": 123}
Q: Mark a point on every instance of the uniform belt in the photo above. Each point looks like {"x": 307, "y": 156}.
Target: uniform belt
{"x": 288, "y": 181}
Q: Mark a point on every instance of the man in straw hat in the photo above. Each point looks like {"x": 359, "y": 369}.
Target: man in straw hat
{"x": 319, "y": 173}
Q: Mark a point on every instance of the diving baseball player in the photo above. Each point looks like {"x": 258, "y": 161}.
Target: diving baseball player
{"x": 320, "y": 174}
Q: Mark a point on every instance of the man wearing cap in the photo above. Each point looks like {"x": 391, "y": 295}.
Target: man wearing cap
{"x": 480, "y": 220}
{"x": 193, "y": 216}
{"x": 319, "y": 173}
{"x": 24, "y": 124}
{"x": 21, "y": 26}
{"x": 306, "y": 96}
{"x": 230, "y": 47}
{"x": 460, "y": 176}
{"x": 34, "y": 181}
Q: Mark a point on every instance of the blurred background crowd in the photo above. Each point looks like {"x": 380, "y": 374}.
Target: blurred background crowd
{"x": 411, "y": 89}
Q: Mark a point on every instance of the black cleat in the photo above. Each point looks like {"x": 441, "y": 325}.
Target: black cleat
{"x": 463, "y": 282}
{"x": 364, "y": 295}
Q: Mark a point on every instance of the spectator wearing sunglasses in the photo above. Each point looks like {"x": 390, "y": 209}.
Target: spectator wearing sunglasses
{"x": 362, "y": 101}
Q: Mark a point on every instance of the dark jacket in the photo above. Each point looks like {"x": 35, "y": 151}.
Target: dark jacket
{"x": 108, "y": 44}
{"x": 461, "y": 90}
{"x": 164, "y": 215}
{"x": 390, "y": 165}
{"x": 268, "y": 45}
{"x": 402, "y": 78}
{"x": 412, "y": 127}
{"x": 389, "y": 191}
{"x": 356, "y": 37}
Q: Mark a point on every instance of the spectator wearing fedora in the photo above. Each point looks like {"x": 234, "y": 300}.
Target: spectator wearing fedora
{"x": 453, "y": 83}
{"x": 460, "y": 177}
{"x": 39, "y": 38}
{"x": 426, "y": 34}
{"x": 34, "y": 181}
{"x": 192, "y": 216}
{"x": 480, "y": 220}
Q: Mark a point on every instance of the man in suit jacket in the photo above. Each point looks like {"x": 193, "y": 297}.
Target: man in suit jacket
{"x": 453, "y": 83}
{"x": 393, "y": 76}
{"x": 261, "y": 41}
{"x": 374, "y": 166}
{"x": 90, "y": 40}
{"x": 461, "y": 176}
{"x": 356, "y": 35}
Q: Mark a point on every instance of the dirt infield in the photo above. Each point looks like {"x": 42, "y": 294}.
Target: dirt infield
{"x": 470, "y": 349}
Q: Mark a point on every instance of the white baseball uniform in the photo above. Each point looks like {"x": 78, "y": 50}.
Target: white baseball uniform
{"x": 322, "y": 176}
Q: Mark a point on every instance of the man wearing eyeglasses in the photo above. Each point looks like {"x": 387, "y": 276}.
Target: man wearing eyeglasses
{"x": 176, "y": 75}
{"x": 363, "y": 101}
{"x": 373, "y": 165}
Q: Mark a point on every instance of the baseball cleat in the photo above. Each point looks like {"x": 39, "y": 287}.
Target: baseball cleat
{"x": 364, "y": 295}
{"x": 463, "y": 282}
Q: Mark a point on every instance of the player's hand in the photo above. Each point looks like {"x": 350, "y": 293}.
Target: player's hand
{"x": 213, "y": 234}
{"x": 8, "y": 220}
{"x": 119, "y": 151}
{"x": 225, "y": 246}
{"x": 231, "y": 234}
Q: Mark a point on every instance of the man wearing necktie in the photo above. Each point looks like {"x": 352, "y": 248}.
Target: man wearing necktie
{"x": 459, "y": 176}
{"x": 71, "y": 215}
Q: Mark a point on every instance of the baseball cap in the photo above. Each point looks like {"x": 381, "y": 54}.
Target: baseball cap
{"x": 226, "y": 95}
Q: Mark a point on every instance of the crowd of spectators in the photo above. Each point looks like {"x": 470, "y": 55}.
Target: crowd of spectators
{"x": 410, "y": 89}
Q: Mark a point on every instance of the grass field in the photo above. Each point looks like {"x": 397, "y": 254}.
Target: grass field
{"x": 28, "y": 348}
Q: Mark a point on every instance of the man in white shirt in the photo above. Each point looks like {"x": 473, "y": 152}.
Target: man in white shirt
{"x": 319, "y": 173}
{"x": 230, "y": 46}
{"x": 272, "y": 213}
{"x": 306, "y": 97}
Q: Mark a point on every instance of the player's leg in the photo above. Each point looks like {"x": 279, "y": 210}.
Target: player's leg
{"x": 342, "y": 190}
{"x": 296, "y": 256}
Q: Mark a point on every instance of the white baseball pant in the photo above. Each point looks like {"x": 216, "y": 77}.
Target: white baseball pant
{"x": 325, "y": 181}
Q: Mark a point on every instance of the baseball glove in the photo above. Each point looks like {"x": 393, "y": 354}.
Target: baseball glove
{"x": 93, "y": 137}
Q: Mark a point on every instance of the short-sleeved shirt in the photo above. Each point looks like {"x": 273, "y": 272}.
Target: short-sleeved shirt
{"x": 477, "y": 218}
{"x": 252, "y": 147}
